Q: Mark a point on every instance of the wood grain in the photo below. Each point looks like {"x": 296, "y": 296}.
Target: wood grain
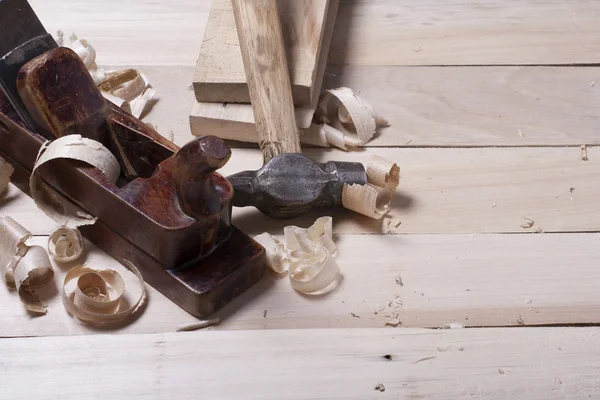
{"x": 488, "y": 32}
{"x": 453, "y": 106}
{"x": 458, "y": 190}
{"x": 326, "y": 364}
{"x": 383, "y": 32}
{"x": 307, "y": 30}
{"x": 266, "y": 66}
{"x": 484, "y": 280}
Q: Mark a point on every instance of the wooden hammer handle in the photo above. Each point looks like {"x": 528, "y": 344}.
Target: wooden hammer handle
{"x": 263, "y": 52}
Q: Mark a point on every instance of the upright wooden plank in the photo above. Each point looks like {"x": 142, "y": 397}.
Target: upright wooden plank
{"x": 423, "y": 280}
{"x": 526, "y": 363}
{"x": 307, "y": 29}
{"x": 458, "y": 190}
{"x": 382, "y": 32}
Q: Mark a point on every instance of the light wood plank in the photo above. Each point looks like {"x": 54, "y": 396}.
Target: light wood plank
{"x": 346, "y": 364}
{"x": 307, "y": 27}
{"x": 426, "y": 106}
{"x": 383, "y": 32}
{"x": 458, "y": 190}
{"x": 487, "y": 280}
{"x": 474, "y": 32}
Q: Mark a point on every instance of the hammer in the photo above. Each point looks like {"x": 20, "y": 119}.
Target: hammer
{"x": 289, "y": 184}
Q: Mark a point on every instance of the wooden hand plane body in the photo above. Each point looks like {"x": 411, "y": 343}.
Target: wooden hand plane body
{"x": 169, "y": 213}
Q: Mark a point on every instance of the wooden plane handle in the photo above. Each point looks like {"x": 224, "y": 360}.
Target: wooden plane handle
{"x": 267, "y": 73}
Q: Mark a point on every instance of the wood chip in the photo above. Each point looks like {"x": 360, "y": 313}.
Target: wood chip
{"x": 199, "y": 325}
{"x": 527, "y": 224}
{"x": 584, "y": 154}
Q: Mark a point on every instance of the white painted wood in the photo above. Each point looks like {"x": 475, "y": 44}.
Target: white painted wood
{"x": 344, "y": 364}
{"x": 458, "y": 190}
{"x": 487, "y": 280}
{"x": 383, "y": 32}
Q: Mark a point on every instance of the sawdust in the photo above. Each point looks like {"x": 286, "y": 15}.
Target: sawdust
{"x": 442, "y": 349}
{"x": 355, "y": 315}
{"x": 399, "y": 280}
{"x": 494, "y": 205}
{"x": 571, "y": 189}
{"x": 520, "y": 320}
{"x": 528, "y": 223}
{"x": 537, "y": 229}
{"x": 520, "y": 133}
{"x": 584, "y": 154}
{"x": 501, "y": 371}
{"x": 592, "y": 83}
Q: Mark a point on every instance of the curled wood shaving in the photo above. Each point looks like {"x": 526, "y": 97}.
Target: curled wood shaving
{"x": 306, "y": 254}
{"x": 85, "y": 51}
{"x": 344, "y": 120}
{"x": 96, "y": 298}
{"x": 128, "y": 89}
{"x": 25, "y": 268}
{"x": 65, "y": 244}
{"x": 374, "y": 198}
{"x": 6, "y": 171}
{"x": 72, "y": 147}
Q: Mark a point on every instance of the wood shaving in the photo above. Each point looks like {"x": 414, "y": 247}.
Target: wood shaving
{"x": 443, "y": 350}
{"x": 425, "y": 359}
{"x": 6, "y": 171}
{"x": 25, "y": 268}
{"x": 527, "y": 224}
{"x": 65, "y": 244}
{"x": 584, "y": 154}
{"x": 306, "y": 254}
{"x": 97, "y": 295}
{"x": 128, "y": 89}
{"x": 344, "y": 119}
{"x": 198, "y": 325}
{"x": 374, "y": 198}
{"x": 72, "y": 147}
{"x": 399, "y": 280}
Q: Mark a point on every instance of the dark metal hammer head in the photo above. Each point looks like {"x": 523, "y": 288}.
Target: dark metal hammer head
{"x": 289, "y": 185}
{"x": 22, "y": 38}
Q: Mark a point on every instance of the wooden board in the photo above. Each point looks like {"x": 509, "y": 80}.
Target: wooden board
{"x": 383, "y": 32}
{"x": 307, "y": 27}
{"x": 486, "y": 280}
{"x": 325, "y": 364}
{"x": 452, "y": 106}
{"x": 459, "y": 190}
{"x": 487, "y": 32}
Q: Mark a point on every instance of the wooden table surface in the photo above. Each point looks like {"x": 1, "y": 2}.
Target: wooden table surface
{"x": 489, "y": 102}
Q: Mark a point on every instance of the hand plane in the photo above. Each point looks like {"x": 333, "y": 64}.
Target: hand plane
{"x": 169, "y": 213}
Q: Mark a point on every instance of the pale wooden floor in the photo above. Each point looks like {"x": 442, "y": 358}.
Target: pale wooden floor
{"x": 487, "y": 140}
